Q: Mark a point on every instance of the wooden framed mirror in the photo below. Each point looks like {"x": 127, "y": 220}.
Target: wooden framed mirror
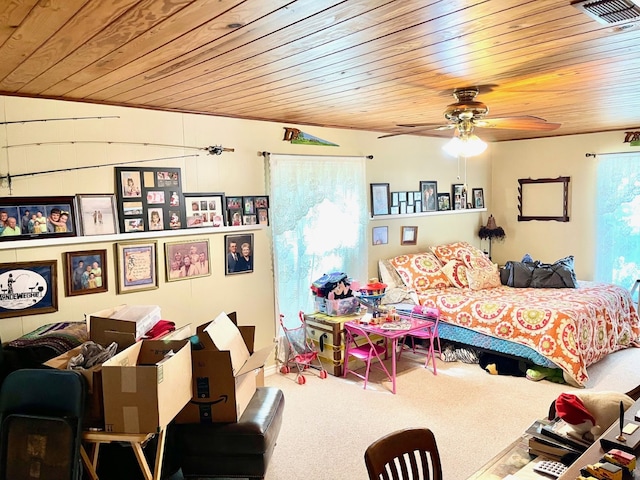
{"x": 546, "y": 199}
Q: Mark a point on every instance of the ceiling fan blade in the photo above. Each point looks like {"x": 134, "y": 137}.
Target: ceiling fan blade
{"x": 412, "y": 132}
{"x": 428, "y": 126}
{"x": 525, "y": 122}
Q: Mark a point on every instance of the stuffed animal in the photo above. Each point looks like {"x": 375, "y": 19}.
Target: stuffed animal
{"x": 501, "y": 365}
{"x": 589, "y": 412}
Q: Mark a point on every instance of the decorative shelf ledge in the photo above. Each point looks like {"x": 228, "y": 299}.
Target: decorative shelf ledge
{"x": 427, "y": 214}
{"x": 119, "y": 237}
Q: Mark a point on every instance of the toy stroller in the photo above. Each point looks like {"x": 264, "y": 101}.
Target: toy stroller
{"x": 301, "y": 351}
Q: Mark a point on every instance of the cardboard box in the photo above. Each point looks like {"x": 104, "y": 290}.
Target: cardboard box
{"x": 94, "y": 405}
{"x": 124, "y": 324}
{"x": 143, "y": 389}
{"x": 226, "y": 371}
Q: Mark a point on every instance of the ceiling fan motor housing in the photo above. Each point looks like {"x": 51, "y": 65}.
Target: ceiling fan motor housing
{"x": 466, "y": 108}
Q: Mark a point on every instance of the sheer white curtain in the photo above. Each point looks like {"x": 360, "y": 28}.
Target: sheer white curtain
{"x": 618, "y": 219}
{"x": 318, "y": 216}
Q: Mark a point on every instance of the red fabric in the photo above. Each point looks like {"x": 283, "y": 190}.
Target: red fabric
{"x": 571, "y": 409}
{"x": 159, "y": 329}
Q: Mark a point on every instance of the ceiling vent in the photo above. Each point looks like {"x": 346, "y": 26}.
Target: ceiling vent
{"x": 609, "y": 11}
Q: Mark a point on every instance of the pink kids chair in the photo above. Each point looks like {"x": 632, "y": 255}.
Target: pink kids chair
{"x": 430, "y": 333}
{"x": 366, "y": 352}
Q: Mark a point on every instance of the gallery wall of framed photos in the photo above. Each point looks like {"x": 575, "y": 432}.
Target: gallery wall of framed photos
{"x": 428, "y": 200}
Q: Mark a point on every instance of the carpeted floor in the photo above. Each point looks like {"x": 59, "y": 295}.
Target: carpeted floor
{"x": 329, "y": 423}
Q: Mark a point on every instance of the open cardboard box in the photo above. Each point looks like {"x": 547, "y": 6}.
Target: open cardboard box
{"x": 124, "y": 324}
{"x": 226, "y": 372}
{"x": 94, "y": 405}
{"x": 143, "y": 388}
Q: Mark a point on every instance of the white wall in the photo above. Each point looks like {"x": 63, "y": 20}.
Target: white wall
{"x": 550, "y": 158}
{"x": 402, "y": 161}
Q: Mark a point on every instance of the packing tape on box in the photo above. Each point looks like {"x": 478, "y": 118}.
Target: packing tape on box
{"x": 131, "y": 419}
{"x": 128, "y": 380}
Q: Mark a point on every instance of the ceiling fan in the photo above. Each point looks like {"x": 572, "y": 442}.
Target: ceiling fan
{"x": 467, "y": 114}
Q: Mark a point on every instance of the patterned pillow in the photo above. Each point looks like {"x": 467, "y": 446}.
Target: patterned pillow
{"x": 473, "y": 260}
{"x": 389, "y": 275}
{"x": 456, "y": 272}
{"x": 454, "y": 251}
{"x": 420, "y": 271}
{"x": 482, "y": 278}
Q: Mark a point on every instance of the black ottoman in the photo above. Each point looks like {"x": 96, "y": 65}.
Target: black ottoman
{"x": 241, "y": 449}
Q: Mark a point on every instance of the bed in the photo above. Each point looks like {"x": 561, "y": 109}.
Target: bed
{"x": 567, "y": 328}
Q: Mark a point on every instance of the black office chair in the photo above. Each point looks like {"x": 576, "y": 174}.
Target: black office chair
{"x": 41, "y": 424}
{"x": 409, "y": 453}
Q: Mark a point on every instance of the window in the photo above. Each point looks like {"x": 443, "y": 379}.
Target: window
{"x": 318, "y": 219}
{"x": 618, "y": 219}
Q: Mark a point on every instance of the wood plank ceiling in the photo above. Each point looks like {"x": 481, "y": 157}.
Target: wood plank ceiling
{"x": 356, "y": 64}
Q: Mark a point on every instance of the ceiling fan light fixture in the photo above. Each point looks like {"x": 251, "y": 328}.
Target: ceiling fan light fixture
{"x": 465, "y": 146}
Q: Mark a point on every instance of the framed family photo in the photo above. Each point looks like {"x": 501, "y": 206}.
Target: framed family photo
{"x": 137, "y": 266}
{"x": 478, "y": 197}
{"x": 85, "y": 272}
{"x": 429, "y": 193}
{"x": 97, "y": 214}
{"x": 28, "y": 288}
{"x": 239, "y": 253}
{"x": 380, "y": 199}
{"x": 184, "y": 260}
{"x": 444, "y": 202}
{"x": 205, "y": 209}
{"x": 458, "y": 196}
{"x": 24, "y": 218}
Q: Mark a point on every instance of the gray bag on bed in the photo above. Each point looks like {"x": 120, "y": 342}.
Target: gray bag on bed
{"x": 539, "y": 275}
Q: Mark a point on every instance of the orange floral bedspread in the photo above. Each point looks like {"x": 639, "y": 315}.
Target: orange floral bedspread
{"x": 574, "y": 328}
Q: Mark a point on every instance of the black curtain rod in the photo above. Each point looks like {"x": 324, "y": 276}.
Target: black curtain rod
{"x": 611, "y": 153}
{"x": 368, "y": 157}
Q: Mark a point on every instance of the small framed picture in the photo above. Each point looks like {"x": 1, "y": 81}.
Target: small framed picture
{"x": 408, "y": 235}
{"x": 380, "y": 235}
{"x": 261, "y": 201}
{"x": 97, "y": 214}
{"x": 459, "y": 196}
{"x": 156, "y": 218}
{"x": 429, "y": 193}
{"x": 249, "y": 219}
{"x": 239, "y": 253}
{"x": 478, "y": 197}
{"x": 263, "y": 216}
{"x": 205, "y": 209}
{"x": 130, "y": 184}
{"x": 444, "y": 202}
{"x": 234, "y": 203}
{"x": 85, "y": 272}
{"x": 28, "y": 288}
{"x": 186, "y": 260}
{"x": 235, "y": 217}
{"x": 249, "y": 206}
{"x": 380, "y": 196}
{"x": 394, "y": 199}
{"x": 137, "y": 264}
